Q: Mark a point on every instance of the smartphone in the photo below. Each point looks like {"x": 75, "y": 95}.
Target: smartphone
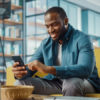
{"x": 18, "y": 59}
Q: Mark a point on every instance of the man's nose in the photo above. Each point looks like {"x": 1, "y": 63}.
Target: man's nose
{"x": 51, "y": 29}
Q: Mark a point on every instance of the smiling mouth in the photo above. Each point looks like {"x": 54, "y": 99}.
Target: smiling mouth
{"x": 54, "y": 35}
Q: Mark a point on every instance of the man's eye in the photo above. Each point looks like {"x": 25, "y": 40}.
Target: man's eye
{"x": 54, "y": 24}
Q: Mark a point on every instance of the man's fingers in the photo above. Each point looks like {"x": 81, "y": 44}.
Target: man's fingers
{"x": 20, "y": 72}
{"x": 18, "y": 68}
{"x": 15, "y": 64}
{"x": 26, "y": 65}
{"x": 18, "y": 76}
{"x": 32, "y": 68}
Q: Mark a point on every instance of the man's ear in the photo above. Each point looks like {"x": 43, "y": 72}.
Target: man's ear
{"x": 66, "y": 21}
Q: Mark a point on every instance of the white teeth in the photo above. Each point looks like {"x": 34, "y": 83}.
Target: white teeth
{"x": 53, "y": 35}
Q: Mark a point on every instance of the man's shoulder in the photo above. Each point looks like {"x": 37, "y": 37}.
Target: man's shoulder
{"x": 82, "y": 39}
{"x": 77, "y": 33}
{"x": 81, "y": 35}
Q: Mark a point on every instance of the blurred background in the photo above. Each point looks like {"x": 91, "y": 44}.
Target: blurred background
{"x": 22, "y": 26}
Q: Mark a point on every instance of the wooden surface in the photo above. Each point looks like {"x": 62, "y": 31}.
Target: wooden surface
{"x": 14, "y": 7}
{"x": 93, "y": 95}
{"x": 10, "y": 39}
{"x": 8, "y": 55}
{"x": 10, "y": 22}
{"x": 38, "y": 97}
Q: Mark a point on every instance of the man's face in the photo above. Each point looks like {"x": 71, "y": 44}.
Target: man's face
{"x": 54, "y": 25}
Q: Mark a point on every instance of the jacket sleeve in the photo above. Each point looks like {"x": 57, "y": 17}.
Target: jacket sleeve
{"x": 36, "y": 56}
{"x": 85, "y": 62}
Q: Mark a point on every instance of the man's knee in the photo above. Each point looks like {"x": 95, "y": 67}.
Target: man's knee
{"x": 72, "y": 87}
{"x": 27, "y": 81}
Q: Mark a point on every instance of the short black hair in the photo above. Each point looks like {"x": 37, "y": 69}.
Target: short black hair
{"x": 58, "y": 10}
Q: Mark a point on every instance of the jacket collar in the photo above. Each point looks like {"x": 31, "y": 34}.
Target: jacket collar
{"x": 68, "y": 33}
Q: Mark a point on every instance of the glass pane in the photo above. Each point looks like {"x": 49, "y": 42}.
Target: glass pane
{"x": 52, "y": 3}
{"x": 35, "y": 26}
{"x": 35, "y": 7}
{"x": 32, "y": 44}
{"x": 41, "y": 6}
{"x": 97, "y": 24}
{"x": 64, "y": 5}
{"x": 40, "y": 26}
{"x": 31, "y": 26}
{"x": 36, "y": 32}
{"x": 28, "y": 58}
{"x": 73, "y": 12}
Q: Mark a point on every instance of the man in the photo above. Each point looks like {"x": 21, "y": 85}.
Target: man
{"x": 67, "y": 56}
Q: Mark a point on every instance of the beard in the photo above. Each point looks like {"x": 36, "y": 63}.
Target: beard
{"x": 62, "y": 34}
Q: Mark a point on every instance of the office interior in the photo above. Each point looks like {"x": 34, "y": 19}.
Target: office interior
{"x": 23, "y": 30}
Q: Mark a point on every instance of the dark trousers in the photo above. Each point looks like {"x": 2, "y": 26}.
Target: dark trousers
{"x": 67, "y": 87}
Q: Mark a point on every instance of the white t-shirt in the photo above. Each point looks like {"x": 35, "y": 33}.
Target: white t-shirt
{"x": 59, "y": 54}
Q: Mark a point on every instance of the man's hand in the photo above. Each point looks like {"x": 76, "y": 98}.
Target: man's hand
{"x": 36, "y": 65}
{"x": 19, "y": 71}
